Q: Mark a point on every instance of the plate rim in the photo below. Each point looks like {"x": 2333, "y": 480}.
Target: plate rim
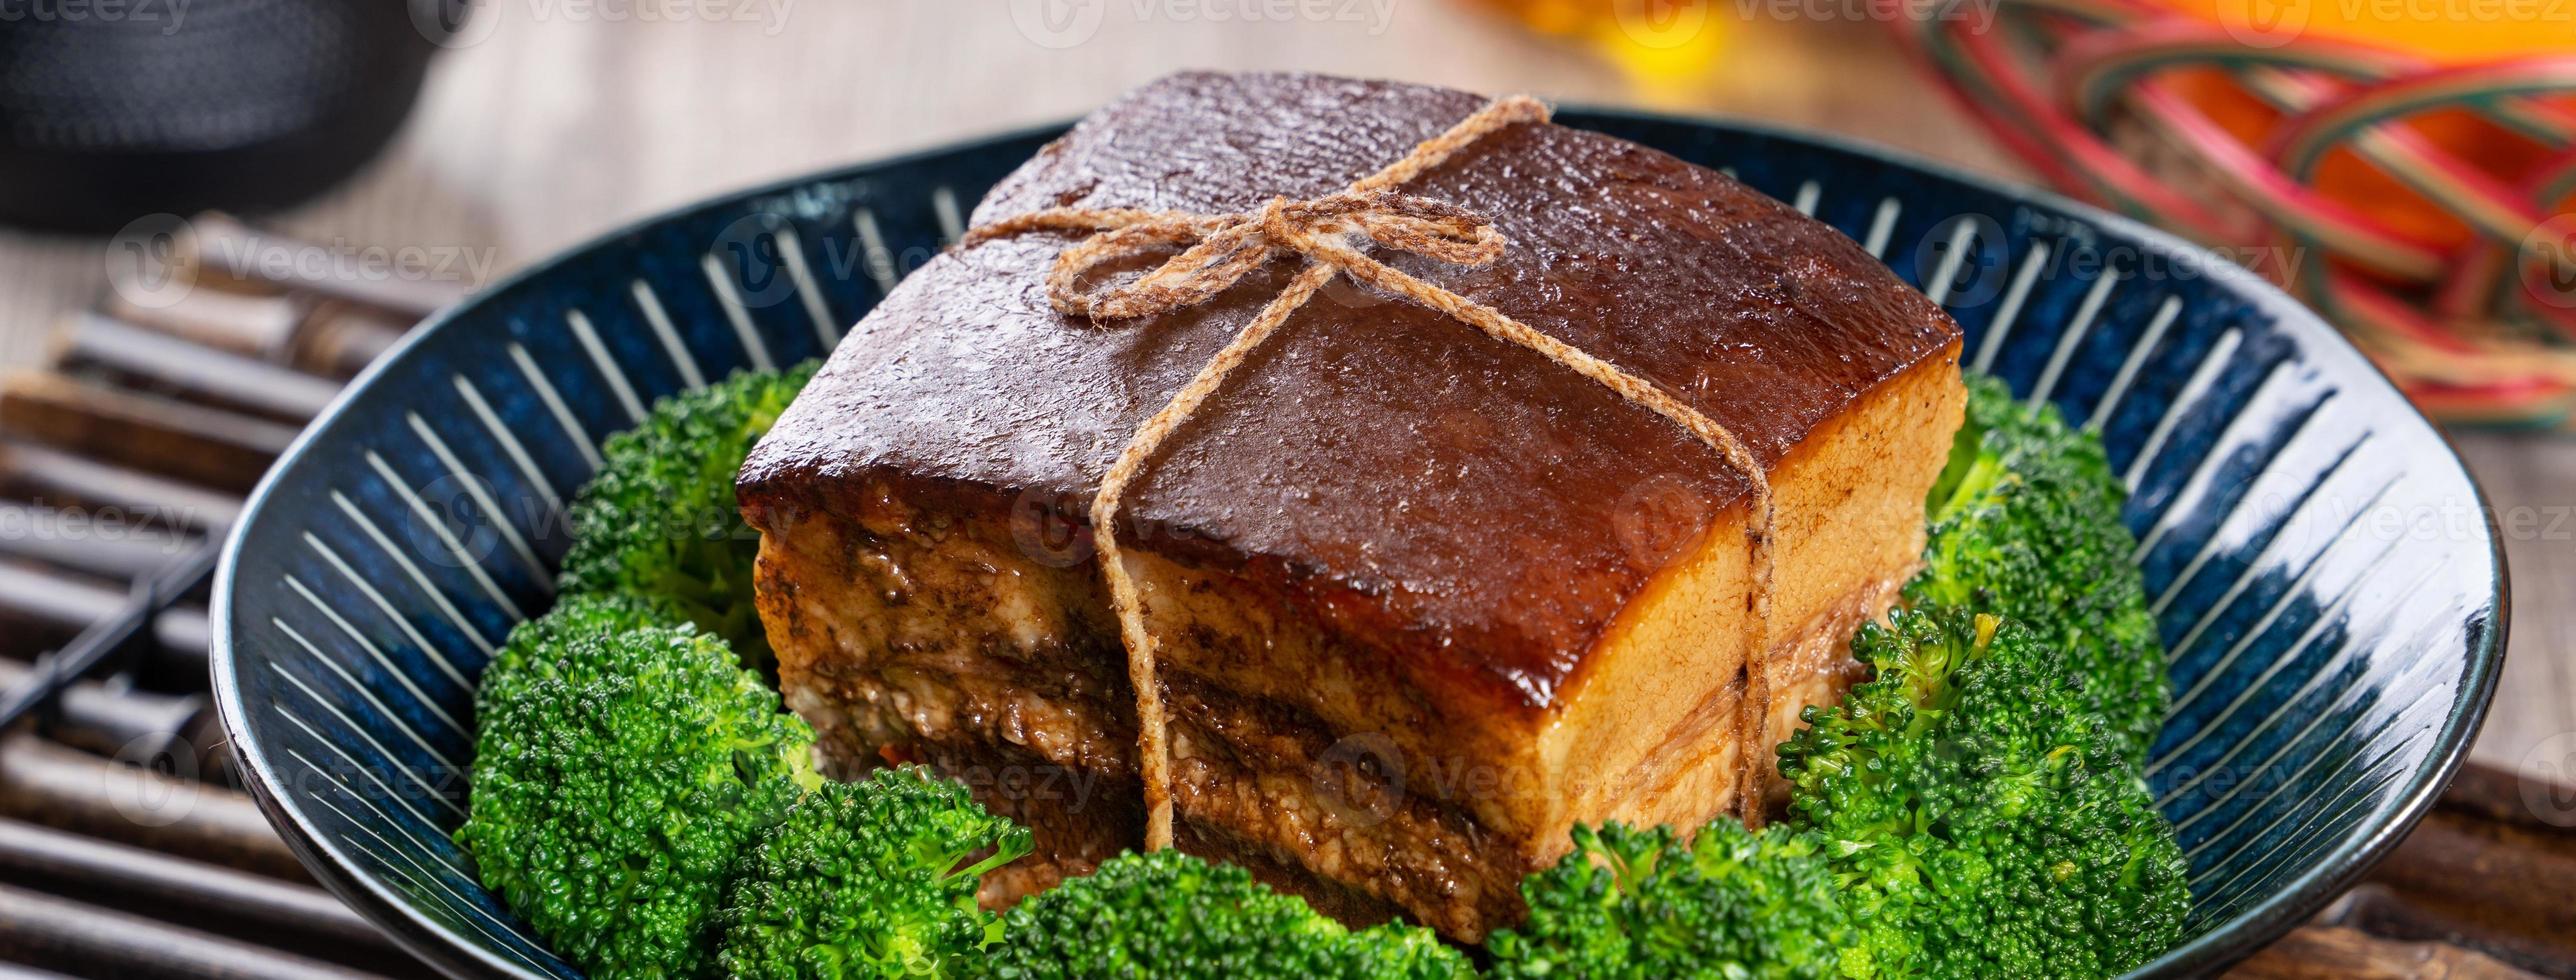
{"x": 2232, "y": 940}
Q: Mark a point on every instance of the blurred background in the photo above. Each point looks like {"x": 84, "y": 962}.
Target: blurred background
{"x": 213, "y": 212}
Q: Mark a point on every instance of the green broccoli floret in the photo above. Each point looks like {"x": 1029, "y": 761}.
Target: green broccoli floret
{"x": 660, "y": 516}
{"x": 1973, "y": 804}
{"x": 615, "y": 788}
{"x": 1167, "y": 914}
{"x": 2025, "y": 524}
{"x": 537, "y": 649}
{"x": 1734, "y": 903}
{"x": 869, "y": 879}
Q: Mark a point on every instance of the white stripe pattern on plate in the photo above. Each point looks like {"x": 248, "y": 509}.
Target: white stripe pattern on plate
{"x": 474, "y": 488}
{"x": 554, "y": 403}
{"x": 417, "y": 873}
{"x": 2368, "y": 745}
{"x": 2087, "y": 311}
{"x": 872, "y": 245}
{"x": 2299, "y": 855}
{"x": 371, "y": 776}
{"x": 509, "y": 441}
{"x": 618, "y": 383}
{"x": 2226, "y": 899}
{"x": 660, "y": 320}
{"x": 2193, "y": 389}
{"x": 403, "y": 560}
{"x": 791, "y": 249}
{"x": 2234, "y": 434}
{"x": 729, "y": 298}
{"x": 377, "y": 654}
{"x": 2326, "y": 617}
{"x": 1881, "y": 223}
{"x": 2218, "y": 539}
{"x": 2271, "y": 614}
{"x": 952, "y": 221}
{"x": 2128, "y": 373}
{"x": 402, "y": 622}
{"x": 2342, "y": 805}
{"x": 2245, "y": 580}
{"x": 369, "y": 695}
{"x": 1954, "y": 253}
{"x": 2389, "y": 723}
{"x": 2405, "y": 672}
{"x": 354, "y": 729}
{"x": 1809, "y": 193}
{"x": 420, "y": 509}
{"x": 2334, "y": 660}
{"x": 2014, "y": 295}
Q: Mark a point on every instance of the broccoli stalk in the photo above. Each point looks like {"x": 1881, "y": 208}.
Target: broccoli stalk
{"x": 660, "y": 517}
{"x": 869, "y": 879}
{"x": 618, "y": 774}
{"x": 1167, "y": 914}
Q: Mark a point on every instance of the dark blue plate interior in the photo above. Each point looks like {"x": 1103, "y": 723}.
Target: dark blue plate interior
{"x": 2320, "y": 562}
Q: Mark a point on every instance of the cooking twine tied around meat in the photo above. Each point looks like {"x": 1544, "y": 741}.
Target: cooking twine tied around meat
{"x": 1331, "y": 233}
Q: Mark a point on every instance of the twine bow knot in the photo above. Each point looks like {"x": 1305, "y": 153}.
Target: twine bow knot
{"x": 1218, "y": 250}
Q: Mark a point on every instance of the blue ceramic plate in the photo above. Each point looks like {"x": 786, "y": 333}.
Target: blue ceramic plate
{"x": 2326, "y": 578}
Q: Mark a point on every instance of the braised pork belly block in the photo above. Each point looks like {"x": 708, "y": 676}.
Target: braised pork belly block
{"x": 1423, "y": 599}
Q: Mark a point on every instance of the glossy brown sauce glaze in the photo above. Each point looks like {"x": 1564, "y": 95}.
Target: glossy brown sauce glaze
{"x": 1469, "y": 504}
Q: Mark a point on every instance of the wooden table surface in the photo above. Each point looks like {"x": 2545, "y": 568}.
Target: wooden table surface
{"x": 560, "y": 120}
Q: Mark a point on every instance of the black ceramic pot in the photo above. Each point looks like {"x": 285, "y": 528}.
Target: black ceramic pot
{"x": 110, "y": 109}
